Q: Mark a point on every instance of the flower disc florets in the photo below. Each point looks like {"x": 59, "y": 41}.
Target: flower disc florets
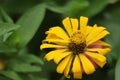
{"x": 78, "y": 43}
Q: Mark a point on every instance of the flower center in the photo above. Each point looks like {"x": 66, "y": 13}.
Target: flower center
{"x": 78, "y": 43}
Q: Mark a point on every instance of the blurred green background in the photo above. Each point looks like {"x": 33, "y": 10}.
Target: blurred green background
{"x": 24, "y": 22}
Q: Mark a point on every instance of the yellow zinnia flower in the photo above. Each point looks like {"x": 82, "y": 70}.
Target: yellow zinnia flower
{"x": 78, "y": 48}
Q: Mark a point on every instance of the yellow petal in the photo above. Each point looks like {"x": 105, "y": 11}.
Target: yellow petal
{"x": 77, "y": 68}
{"x": 49, "y": 56}
{"x": 52, "y": 36}
{"x": 101, "y": 51}
{"x": 95, "y": 31}
{"x": 74, "y": 23}
{"x": 97, "y": 58}
{"x": 83, "y": 24}
{"x": 59, "y": 57}
{"x": 67, "y": 25}
{"x": 96, "y": 34}
{"x": 59, "y": 32}
{"x": 102, "y": 43}
{"x": 45, "y": 45}
{"x": 57, "y": 41}
{"x": 67, "y": 68}
{"x": 88, "y": 30}
{"x": 77, "y": 75}
{"x": 100, "y": 36}
{"x": 88, "y": 67}
{"x": 61, "y": 66}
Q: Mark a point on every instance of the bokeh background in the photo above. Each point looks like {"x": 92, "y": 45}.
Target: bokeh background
{"x": 22, "y": 28}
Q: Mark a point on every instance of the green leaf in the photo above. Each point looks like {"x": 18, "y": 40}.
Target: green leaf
{"x": 11, "y": 74}
{"x": 24, "y": 67}
{"x": 7, "y": 27}
{"x": 95, "y": 7}
{"x": 30, "y": 22}
{"x": 71, "y": 8}
{"x": 33, "y": 76}
{"x": 5, "y": 48}
{"x": 76, "y": 8}
{"x": 6, "y": 36}
{"x": 5, "y": 16}
{"x": 19, "y": 65}
{"x": 30, "y": 58}
{"x": 117, "y": 70}
{"x": 18, "y": 6}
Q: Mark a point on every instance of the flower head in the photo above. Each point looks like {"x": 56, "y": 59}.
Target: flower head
{"x": 78, "y": 49}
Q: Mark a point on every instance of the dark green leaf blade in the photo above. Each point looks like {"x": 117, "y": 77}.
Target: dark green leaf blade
{"x": 30, "y": 58}
{"x": 5, "y": 16}
{"x": 30, "y": 22}
{"x": 71, "y": 8}
{"x": 5, "y": 48}
{"x": 11, "y": 74}
{"x": 24, "y": 67}
{"x": 95, "y": 7}
{"x": 7, "y": 27}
